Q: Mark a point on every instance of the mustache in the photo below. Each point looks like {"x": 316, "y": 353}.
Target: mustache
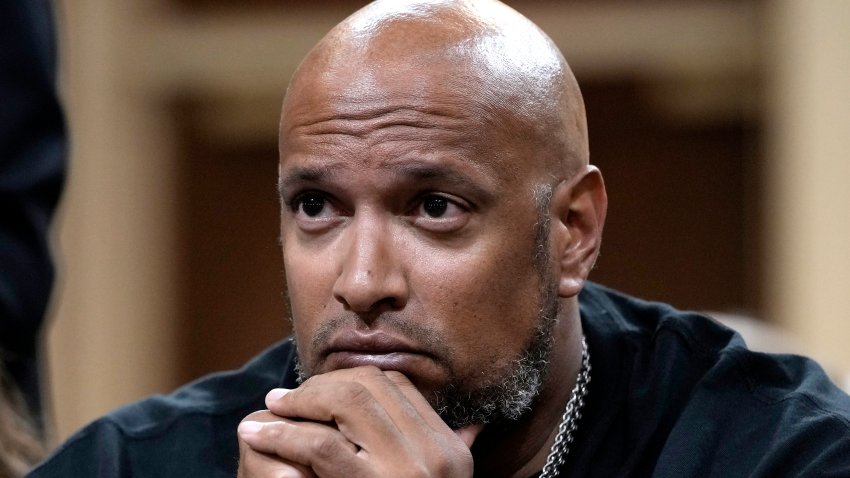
{"x": 426, "y": 338}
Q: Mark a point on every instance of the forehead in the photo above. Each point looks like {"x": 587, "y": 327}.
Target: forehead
{"x": 397, "y": 108}
{"x": 359, "y": 84}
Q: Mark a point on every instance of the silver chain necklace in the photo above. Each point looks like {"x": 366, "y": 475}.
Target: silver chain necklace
{"x": 568, "y": 420}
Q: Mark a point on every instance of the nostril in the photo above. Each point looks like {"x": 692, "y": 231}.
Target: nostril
{"x": 366, "y": 303}
{"x": 390, "y": 303}
{"x": 342, "y": 301}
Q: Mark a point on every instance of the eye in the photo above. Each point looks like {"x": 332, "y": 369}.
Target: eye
{"x": 440, "y": 213}
{"x": 314, "y": 211}
{"x": 312, "y": 204}
{"x": 435, "y": 206}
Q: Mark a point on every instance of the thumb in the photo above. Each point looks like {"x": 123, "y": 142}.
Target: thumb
{"x": 469, "y": 433}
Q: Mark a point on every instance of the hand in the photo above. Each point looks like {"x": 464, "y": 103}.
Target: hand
{"x": 359, "y": 422}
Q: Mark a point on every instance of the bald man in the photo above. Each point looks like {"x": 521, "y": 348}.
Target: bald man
{"x": 439, "y": 219}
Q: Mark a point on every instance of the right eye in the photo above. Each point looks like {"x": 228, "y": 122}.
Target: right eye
{"x": 311, "y": 204}
{"x": 314, "y": 211}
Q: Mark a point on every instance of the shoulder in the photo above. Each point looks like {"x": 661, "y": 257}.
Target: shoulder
{"x": 191, "y": 432}
{"x": 217, "y": 394}
{"x": 721, "y": 403}
{"x": 766, "y": 415}
{"x": 643, "y": 319}
{"x": 650, "y": 336}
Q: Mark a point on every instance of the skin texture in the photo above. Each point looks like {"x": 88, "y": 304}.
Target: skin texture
{"x": 415, "y": 141}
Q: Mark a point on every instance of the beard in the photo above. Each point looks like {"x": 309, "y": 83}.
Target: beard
{"x": 508, "y": 393}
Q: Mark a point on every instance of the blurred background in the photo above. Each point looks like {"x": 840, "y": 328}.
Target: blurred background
{"x": 721, "y": 128}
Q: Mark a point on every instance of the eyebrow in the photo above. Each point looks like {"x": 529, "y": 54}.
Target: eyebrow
{"x": 429, "y": 172}
{"x": 415, "y": 172}
{"x": 302, "y": 175}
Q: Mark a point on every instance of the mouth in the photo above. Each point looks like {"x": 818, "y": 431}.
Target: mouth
{"x": 379, "y": 349}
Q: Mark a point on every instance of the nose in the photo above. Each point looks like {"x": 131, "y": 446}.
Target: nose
{"x": 371, "y": 278}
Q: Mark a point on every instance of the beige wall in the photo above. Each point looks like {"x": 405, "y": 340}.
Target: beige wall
{"x": 808, "y": 234}
{"x": 112, "y": 337}
{"x": 109, "y": 340}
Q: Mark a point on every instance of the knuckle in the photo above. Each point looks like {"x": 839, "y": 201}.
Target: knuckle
{"x": 443, "y": 463}
{"x": 326, "y": 447}
{"x": 272, "y": 432}
{"x": 443, "y": 467}
{"x": 311, "y": 380}
{"x": 431, "y": 462}
{"x": 356, "y": 394}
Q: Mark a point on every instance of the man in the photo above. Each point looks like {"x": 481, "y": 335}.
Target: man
{"x": 439, "y": 220}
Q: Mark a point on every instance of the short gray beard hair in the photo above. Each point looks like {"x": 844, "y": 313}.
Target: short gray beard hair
{"x": 510, "y": 396}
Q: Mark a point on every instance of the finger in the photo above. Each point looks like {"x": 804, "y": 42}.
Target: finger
{"x": 366, "y": 406}
{"x": 419, "y": 402}
{"x": 469, "y": 433}
{"x": 381, "y": 412}
{"x": 261, "y": 416}
{"x": 254, "y": 464}
{"x": 441, "y": 430}
{"x": 309, "y": 445}
{"x": 403, "y": 402}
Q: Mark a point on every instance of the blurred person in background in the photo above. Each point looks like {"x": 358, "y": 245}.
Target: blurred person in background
{"x": 32, "y": 168}
{"x": 20, "y": 443}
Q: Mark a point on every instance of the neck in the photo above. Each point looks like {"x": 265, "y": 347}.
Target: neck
{"x": 518, "y": 449}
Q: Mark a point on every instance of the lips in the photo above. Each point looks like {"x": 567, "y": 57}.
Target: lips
{"x": 385, "y": 351}
{"x": 373, "y": 342}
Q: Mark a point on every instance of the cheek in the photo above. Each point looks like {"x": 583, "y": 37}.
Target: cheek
{"x": 486, "y": 297}
{"x": 309, "y": 280}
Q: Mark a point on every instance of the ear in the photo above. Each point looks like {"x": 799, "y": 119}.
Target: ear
{"x": 579, "y": 206}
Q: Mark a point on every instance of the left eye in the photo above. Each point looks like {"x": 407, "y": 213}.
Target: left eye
{"x": 438, "y": 213}
{"x": 435, "y": 206}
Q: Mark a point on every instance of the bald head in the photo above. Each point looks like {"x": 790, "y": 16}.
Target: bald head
{"x": 481, "y": 54}
{"x": 435, "y": 187}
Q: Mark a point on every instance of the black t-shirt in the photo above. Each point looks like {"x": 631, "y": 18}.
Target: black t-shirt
{"x": 672, "y": 394}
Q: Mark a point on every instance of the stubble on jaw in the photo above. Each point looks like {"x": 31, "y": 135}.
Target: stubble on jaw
{"x": 510, "y": 396}
{"x": 510, "y": 392}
